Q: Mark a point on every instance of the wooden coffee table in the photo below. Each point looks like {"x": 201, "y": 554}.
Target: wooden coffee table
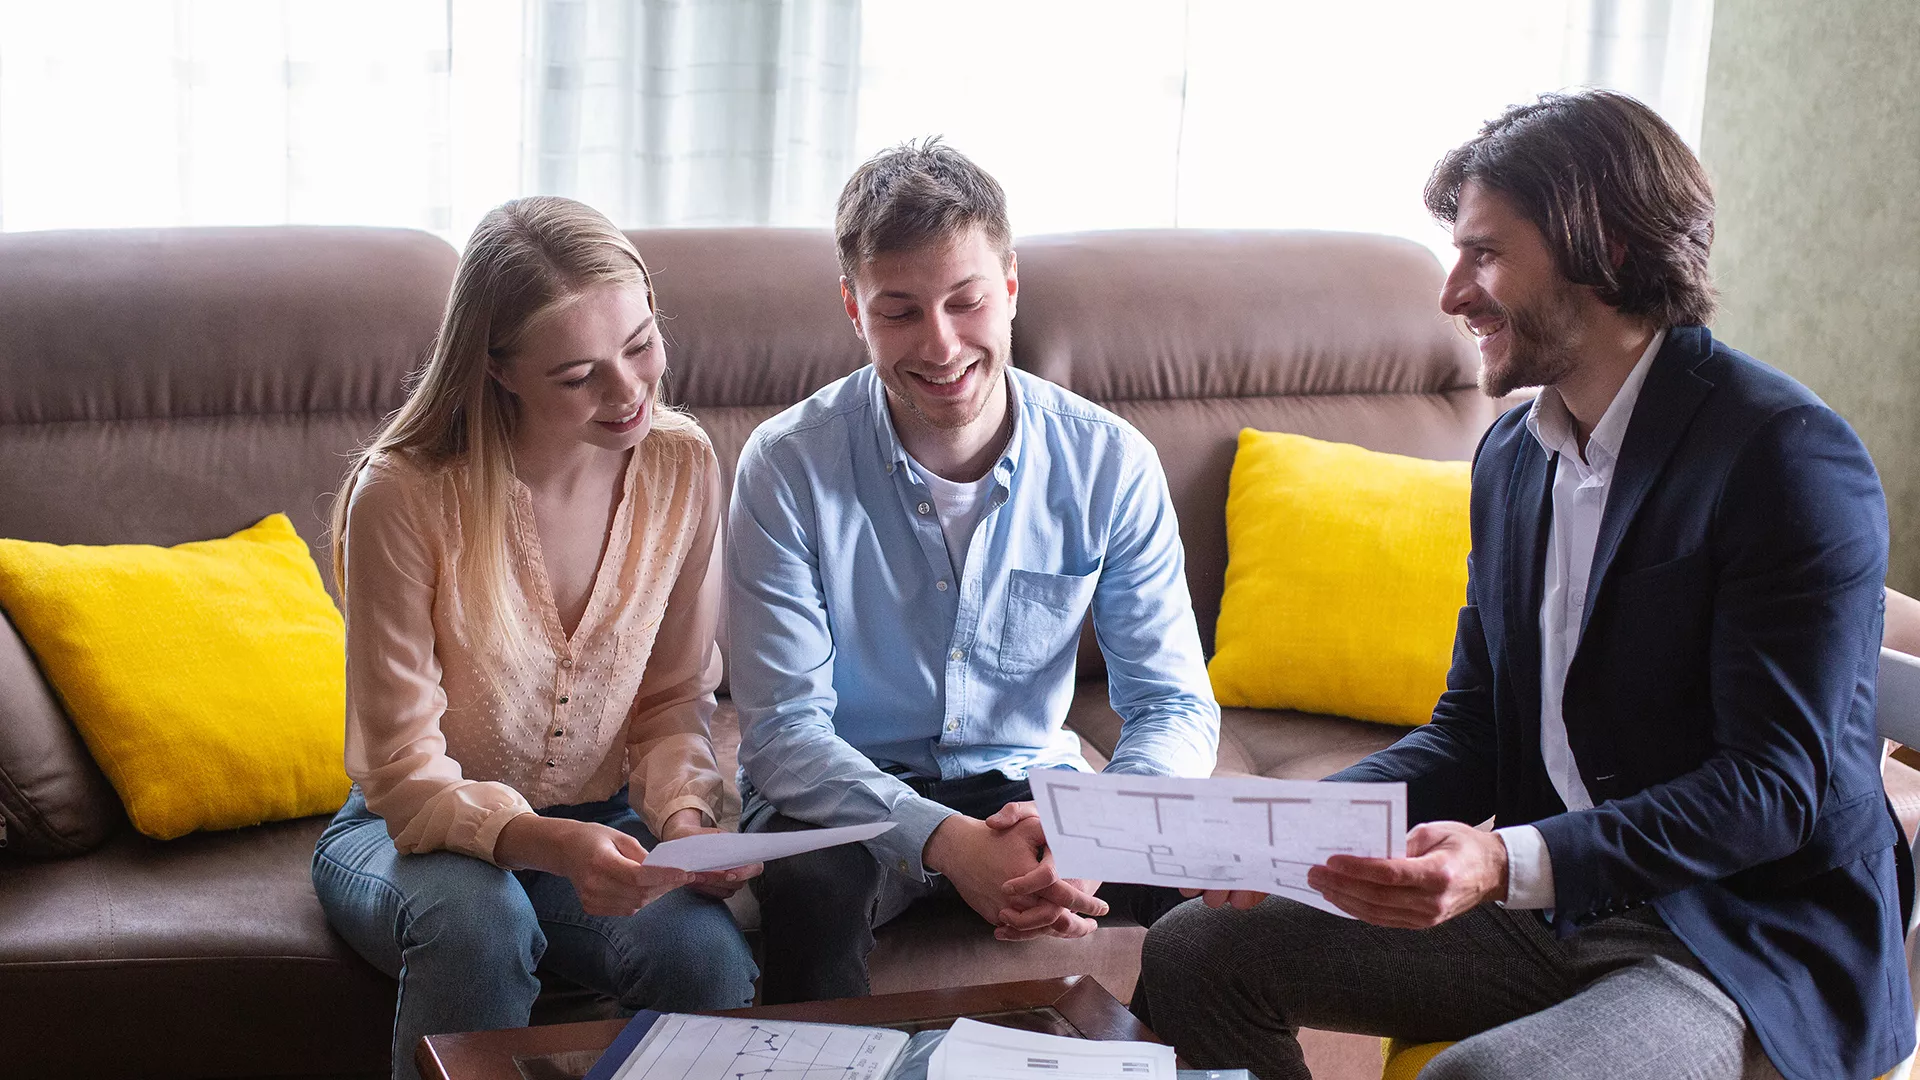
{"x": 1076, "y": 1006}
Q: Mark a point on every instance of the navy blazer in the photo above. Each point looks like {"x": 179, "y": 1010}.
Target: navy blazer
{"x": 1719, "y": 704}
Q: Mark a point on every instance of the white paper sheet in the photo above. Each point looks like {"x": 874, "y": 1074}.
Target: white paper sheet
{"x": 682, "y": 1047}
{"x": 976, "y": 1051}
{"x": 1222, "y": 832}
{"x": 723, "y": 851}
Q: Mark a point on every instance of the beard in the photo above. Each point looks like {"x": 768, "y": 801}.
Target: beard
{"x": 1542, "y": 341}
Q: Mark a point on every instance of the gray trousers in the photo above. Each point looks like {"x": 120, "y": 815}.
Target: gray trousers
{"x": 1621, "y": 999}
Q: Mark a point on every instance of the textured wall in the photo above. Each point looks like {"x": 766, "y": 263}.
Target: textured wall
{"x": 1812, "y": 136}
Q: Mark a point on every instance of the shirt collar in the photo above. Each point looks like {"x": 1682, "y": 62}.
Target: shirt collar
{"x": 895, "y": 453}
{"x": 1552, "y": 425}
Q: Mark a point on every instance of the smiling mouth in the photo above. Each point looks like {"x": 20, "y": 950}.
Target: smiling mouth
{"x": 1486, "y": 329}
{"x": 947, "y": 380}
{"x": 625, "y": 423}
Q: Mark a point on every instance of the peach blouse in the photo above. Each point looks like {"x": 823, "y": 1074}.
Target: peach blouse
{"x": 448, "y": 756}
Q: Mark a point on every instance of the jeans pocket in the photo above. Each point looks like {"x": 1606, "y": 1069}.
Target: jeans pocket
{"x": 1043, "y": 618}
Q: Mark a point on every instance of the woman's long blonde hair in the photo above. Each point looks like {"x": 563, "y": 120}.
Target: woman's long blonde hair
{"x": 526, "y": 259}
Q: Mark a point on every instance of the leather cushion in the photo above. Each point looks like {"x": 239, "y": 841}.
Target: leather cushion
{"x": 208, "y": 953}
{"x": 54, "y": 799}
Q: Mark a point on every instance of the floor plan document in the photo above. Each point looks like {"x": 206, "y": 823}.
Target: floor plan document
{"x": 683, "y": 1047}
{"x": 1223, "y": 832}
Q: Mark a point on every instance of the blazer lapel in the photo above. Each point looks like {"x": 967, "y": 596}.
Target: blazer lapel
{"x": 1668, "y": 400}
{"x": 1529, "y": 514}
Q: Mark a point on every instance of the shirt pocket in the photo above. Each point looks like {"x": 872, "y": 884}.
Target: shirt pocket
{"x": 1044, "y": 614}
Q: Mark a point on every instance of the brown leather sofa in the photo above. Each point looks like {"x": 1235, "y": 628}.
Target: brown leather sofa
{"x": 165, "y": 386}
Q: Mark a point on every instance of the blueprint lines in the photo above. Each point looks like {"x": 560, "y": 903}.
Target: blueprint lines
{"x": 1224, "y": 832}
{"x": 682, "y": 1047}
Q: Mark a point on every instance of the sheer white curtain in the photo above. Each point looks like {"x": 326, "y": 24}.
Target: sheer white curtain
{"x": 1093, "y": 113}
{"x": 229, "y": 112}
{"x": 1250, "y": 113}
{"x": 695, "y": 112}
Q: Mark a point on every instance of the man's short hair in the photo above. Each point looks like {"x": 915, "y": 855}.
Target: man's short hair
{"x": 1592, "y": 170}
{"x": 909, "y": 196}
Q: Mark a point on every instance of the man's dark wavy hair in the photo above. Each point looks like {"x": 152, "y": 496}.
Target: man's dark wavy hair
{"x": 1597, "y": 171}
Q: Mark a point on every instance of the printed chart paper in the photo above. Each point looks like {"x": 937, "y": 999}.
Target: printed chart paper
{"x": 723, "y": 851}
{"x": 976, "y": 1051}
{"x": 1222, "y": 832}
{"x": 683, "y": 1047}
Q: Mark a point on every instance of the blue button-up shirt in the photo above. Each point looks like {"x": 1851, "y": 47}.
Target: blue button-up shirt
{"x": 856, "y": 655}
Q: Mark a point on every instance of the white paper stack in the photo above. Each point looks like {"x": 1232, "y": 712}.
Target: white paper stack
{"x": 977, "y": 1051}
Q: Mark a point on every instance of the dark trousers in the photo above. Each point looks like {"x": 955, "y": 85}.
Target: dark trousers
{"x": 818, "y": 911}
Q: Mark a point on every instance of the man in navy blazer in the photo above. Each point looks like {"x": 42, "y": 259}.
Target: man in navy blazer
{"x": 1662, "y": 689}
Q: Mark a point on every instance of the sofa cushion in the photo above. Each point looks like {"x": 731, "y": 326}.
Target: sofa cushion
{"x": 53, "y": 799}
{"x": 1345, "y": 575}
{"x": 205, "y": 678}
{"x": 209, "y": 954}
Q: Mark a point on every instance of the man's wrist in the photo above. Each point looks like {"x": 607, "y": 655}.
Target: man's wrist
{"x": 1501, "y": 863}
{"x": 944, "y": 844}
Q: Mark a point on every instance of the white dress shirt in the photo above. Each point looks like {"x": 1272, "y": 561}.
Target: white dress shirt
{"x": 1580, "y": 486}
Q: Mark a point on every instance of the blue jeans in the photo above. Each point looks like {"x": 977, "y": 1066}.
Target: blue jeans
{"x": 465, "y": 937}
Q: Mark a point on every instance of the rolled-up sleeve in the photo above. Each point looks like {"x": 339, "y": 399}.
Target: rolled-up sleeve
{"x": 395, "y": 749}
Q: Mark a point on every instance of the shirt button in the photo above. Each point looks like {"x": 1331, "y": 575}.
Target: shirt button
{"x": 903, "y": 866}
{"x": 552, "y": 764}
{"x": 559, "y": 731}
{"x": 925, "y": 508}
{"x": 953, "y": 725}
{"x": 563, "y": 699}
{"x": 566, "y": 661}
{"x": 957, "y": 655}
{"x": 941, "y": 585}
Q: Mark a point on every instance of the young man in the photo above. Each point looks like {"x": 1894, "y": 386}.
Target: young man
{"x": 1662, "y": 688}
{"x": 912, "y": 553}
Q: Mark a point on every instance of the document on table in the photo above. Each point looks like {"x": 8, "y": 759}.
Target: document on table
{"x": 722, "y": 851}
{"x": 1223, "y": 832}
{"x": 976, "y": 1051}
{"x": 683, "y": 1047}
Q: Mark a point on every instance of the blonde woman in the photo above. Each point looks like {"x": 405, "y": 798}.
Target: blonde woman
{"x": 529, "y": 557}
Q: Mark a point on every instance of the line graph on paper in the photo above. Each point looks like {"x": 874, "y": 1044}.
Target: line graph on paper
{"x": 681, "y": 1047}
{"x": 1218, "y": 833}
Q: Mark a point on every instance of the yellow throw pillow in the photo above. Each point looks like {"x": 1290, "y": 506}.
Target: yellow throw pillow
{"x": 207, "y": 679}
{"x": 1346, "y": 569}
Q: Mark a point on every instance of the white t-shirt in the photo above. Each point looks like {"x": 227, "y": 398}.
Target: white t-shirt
{"x": 959, "y": 507}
